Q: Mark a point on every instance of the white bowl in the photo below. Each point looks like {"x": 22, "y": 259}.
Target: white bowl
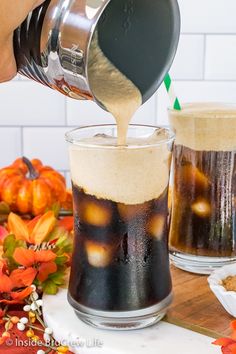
{"x": 226, "y": 298}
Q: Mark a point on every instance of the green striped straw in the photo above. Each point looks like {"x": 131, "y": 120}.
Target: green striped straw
{"x": 170, "y": 90}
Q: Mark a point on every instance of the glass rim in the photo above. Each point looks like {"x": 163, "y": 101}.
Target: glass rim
{"x": 210, "y": 106}
{"x": 71, "y": 140}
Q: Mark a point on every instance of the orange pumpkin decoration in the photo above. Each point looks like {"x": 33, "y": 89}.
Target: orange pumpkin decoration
{"x": 29, "y": 187}
{"x": 68, "y": 203}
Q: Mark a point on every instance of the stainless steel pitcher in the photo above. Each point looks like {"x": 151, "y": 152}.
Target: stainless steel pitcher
{"x": 139, "y": 37}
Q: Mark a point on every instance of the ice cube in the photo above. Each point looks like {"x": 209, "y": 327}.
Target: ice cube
{"x": 104, "y": 139}
{"x": 101, "y": 140}
{"x": 158, "y": 135}
{"x": 95, "y": 214}
{"x": 156, "y": 226}
{"x": 102, "y": 136}
{"x": 201, "y": 208}
{"x": 99, "y": 254}
{"x": 191, "y": 175}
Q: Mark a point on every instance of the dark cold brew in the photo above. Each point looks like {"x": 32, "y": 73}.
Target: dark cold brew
{"x": 203, "y": 217}
{"x": 203, "y": 220}
{"x": 120, "y": 260}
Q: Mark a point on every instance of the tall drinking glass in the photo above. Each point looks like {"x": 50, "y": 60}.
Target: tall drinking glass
{"x": 203, "y": 226}
{"x": 120, "y": 275}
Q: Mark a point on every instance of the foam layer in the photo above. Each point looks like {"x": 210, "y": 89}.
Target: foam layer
{"x": 121, "y": 174}
{"x": 205, "y": 126}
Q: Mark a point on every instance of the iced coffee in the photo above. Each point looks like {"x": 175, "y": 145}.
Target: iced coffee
{"x": 202, "y": 234}
{"x": 120, "y": 274}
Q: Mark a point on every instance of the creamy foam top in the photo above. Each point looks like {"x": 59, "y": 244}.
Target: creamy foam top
{"x": 113, "y": 89}
{"x": 205, "y": 126}
{"x": 130, "y": 175}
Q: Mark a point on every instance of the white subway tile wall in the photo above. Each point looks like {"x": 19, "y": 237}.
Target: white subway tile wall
{"x": 34, "y": 119}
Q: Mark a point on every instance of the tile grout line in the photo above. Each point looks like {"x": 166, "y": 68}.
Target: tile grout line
{"x": 22, "y": 140}
{"x": 65, "y": 112}
{"x": 204, "y": 58}
{"x": 209, "y": 33}
{"x": 156, "y": 108}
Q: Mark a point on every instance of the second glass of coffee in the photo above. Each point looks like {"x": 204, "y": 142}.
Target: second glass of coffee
{"x": 203, "y": 221}
{"x": 120, "y": 277}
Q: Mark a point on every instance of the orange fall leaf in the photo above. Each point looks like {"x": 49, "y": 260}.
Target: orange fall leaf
{"x": 45, "y": 269}
{"x": 43, "y": 227}
{"x": 18, "y": 227}
{"x": 25, "y": 257}
{"x": 23, "y": 277}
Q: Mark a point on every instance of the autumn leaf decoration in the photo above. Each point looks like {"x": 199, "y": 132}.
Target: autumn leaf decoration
{"x": 10, "y": 290}
{"x": 34, "y": 259}
{"x": 228, "y": 345}
{"x": 36, "y": 252}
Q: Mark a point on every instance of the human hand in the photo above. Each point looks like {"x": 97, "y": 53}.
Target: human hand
{"x": 12, "y": 14}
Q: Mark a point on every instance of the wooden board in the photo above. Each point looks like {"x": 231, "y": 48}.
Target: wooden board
{"x": 195, "y": 307}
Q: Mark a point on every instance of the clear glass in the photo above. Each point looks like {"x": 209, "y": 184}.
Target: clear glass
{"x": 120, "y": 276}
{"x": 203, "y": 220}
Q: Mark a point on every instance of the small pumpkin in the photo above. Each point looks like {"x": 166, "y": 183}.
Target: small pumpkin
{"x": 29, "y": 187}
{"x": 68, "y": 203}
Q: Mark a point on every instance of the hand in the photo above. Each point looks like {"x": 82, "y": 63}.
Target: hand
{"x": 12, "y": 14}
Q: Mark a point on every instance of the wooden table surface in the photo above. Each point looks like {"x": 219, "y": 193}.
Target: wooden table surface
{"x": 195, "y": 307}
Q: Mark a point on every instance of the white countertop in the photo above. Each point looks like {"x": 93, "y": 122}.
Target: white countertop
{"x": 162, "y": 338}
